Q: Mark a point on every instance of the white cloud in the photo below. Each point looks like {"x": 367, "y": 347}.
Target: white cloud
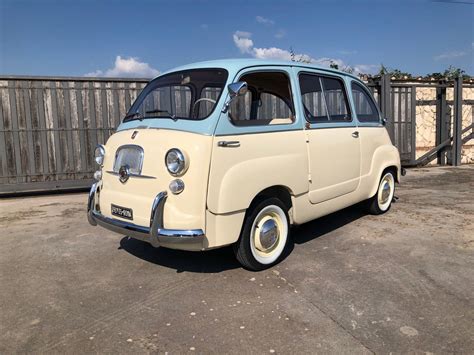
{"x": 95, "y": 73}
{"x": 264, "y": 20}
{"x": 280, "y": 34}
{"x": 450, "y": 55}
{"x": 366, "y": 68}
{"x": 272, "y": 53}
{"x": 243, "y": 42}
{"x": 130, "y": 67}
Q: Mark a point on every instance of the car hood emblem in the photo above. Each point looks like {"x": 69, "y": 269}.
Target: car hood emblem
{"x": 124, "y": 173}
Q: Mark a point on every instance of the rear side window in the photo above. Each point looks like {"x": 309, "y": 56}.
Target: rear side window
{"x": 324, "y": 99}
{"x": 364, "y": 105}
{"x": 313, "y": 99}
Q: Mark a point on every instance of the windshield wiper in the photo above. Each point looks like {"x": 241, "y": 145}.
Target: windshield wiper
{"x": 138, "y": 115}
{"x": 168, "y": 114}
{"x": 131, "y": 116}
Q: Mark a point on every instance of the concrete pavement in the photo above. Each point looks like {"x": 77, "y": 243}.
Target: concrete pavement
{"x": 354, "y": 283}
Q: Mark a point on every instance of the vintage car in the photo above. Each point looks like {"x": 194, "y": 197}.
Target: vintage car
{"x": 235, "y": 152}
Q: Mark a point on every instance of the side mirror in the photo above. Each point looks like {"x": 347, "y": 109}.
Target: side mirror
{"x": 239, "y": 88}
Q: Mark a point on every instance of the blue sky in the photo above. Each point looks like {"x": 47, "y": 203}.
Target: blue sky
{"x": 140, "y": 38}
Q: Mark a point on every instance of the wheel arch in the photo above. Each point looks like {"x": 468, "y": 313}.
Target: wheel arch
{"x": 385, "y": 158}
{"x": 281, "y": 192}
{"x": 392, "y": 168}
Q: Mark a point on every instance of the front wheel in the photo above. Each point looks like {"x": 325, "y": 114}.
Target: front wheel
{"x": 264, "y": 235}
{"x": 382, "y": 200}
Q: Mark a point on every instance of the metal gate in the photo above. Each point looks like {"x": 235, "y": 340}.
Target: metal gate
{"x": 398, "y": 103}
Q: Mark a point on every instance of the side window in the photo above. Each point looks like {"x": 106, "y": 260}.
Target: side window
{"x": 240, "y": 108}
{"x": 267, "y": 102}
{"x": 313, "y": 99}
{"x": 336, "y": 99}
{"x": 209, "y": 96}
{"x": 324, "y": 99}
{"x": 364, "y": 105}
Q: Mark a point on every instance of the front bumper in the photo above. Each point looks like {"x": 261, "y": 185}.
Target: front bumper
{"x": 155, "y": 234}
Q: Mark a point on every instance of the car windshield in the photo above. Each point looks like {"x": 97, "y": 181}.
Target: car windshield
{"x": 189, "y": 94}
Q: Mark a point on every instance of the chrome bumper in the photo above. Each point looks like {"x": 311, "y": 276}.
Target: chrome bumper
{"x": 155, "y": 234}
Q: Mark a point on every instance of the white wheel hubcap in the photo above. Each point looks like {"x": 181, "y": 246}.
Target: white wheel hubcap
{"x": 268, "y": 234}
{"x": 385, "y": 192}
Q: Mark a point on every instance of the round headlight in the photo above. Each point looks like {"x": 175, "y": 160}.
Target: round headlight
{"x": 99, "y": 154}
{"x": 175, "y": 162}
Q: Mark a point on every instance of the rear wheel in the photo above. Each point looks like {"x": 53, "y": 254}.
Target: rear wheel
{"x": 382, "y": 200}
{"x": 264, "y": 235}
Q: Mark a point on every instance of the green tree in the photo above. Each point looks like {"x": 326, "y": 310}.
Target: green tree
{"x": 449, "y": 74}
{"x": 394, "y": 73}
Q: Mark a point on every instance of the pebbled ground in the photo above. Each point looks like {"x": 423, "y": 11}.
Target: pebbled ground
{"x": 353, "y": 283}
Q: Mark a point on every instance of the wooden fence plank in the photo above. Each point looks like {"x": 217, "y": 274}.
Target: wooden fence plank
{"x": 27, "y": 136}
{"x": 80, "y": 123}
{"x": 42, "y": 126}
{"x": 15, "y": 136}
{"x": 3, "y": 147}
{"x": 49, "y": 127}
{"x": 75, "y": 133}
{"x": 34, "y": 130}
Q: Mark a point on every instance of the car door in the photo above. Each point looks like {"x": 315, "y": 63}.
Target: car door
{"x": 258, "y": 143}
{"x": 332, "y": 137}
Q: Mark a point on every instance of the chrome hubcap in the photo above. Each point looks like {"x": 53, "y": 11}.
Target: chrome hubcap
{"x": 385, "y": 192}
{"x": 268, "y": 234}
{"x": 386, "y": 189}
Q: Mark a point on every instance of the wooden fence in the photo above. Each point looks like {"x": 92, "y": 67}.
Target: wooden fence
{"x": 49, "y": 128}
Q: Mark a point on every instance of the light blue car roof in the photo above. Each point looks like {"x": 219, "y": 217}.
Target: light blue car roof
{"x": 234, "y": 65}
{"x": 208, "y": 125}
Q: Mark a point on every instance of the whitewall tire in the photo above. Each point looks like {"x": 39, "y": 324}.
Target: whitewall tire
{"x": 264, "y": 235}
{"x": 381, "y": 202}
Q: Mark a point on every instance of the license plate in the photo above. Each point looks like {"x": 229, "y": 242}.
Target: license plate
{"x": 122, "y": 212}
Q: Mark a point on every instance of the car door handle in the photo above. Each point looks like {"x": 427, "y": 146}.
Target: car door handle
{"x": 355, "y": 134}
{"x": 230, "y": 144}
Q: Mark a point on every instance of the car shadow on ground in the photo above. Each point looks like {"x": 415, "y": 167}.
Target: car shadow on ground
{"x": 211, "y": 261}
{"x": 222, "y": 259}
{"x": 316, "y": 228}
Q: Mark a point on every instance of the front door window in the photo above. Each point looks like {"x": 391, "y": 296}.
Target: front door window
{"x": 267, "y": 102}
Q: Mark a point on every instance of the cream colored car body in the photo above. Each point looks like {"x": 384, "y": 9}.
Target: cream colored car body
{"x": 320, "y": 170}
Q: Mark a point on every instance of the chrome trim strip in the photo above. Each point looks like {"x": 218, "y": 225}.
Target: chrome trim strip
{"x": 260, "y": 132}
{"x": 90, "y": 204}
{"x": 131, "y": 175}
{"x": 180, "y": 232}
{"x": 156, "y": 234}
